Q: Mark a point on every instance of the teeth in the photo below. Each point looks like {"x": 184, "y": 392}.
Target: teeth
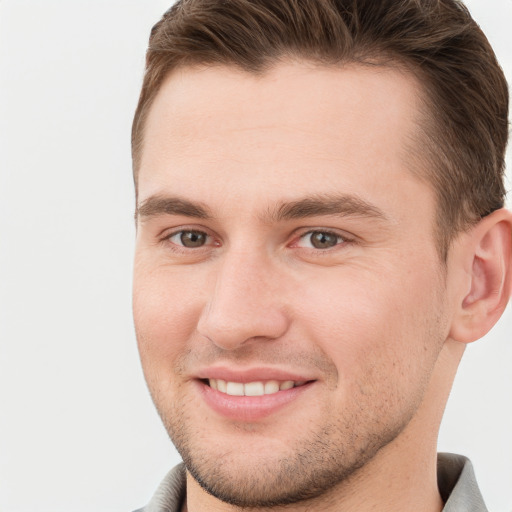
{"x": 257, "y": 388}
{"x": 235, "y": 388}
{"x": 287, "y": 384}
{"x": 271, "y": 387}
{"x": 254, "y": 389}
{"x": 221, "y": 385}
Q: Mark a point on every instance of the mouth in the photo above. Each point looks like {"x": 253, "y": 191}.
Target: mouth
{"x": 256, "y": 388}
{"x": 243, "y": 397}
{"x": 252, "y": 394}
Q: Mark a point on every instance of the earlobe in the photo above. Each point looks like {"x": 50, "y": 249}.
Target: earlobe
{"x": 488, "y": 257}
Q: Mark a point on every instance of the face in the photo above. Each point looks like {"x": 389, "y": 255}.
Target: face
{"x": 288, "y": 295}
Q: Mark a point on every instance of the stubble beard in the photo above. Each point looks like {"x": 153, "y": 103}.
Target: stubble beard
{"x": 313, "y": 466}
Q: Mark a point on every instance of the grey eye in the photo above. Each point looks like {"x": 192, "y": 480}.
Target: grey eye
{"x": 190, "y": 239}
{"x": 320, "y": 240}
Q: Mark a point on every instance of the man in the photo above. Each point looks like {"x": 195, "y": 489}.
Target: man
{"x": 320, "y": 233}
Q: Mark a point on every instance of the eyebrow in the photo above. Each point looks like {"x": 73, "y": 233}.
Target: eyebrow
{"x": 159, "y": 205}
{"x": 344, "y": 205}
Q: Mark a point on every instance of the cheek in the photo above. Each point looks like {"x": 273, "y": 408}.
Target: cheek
{"x": 374, "y": 326}
{"x": 166, "y": 310}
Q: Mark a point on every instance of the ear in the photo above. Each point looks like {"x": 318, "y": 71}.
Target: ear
{"x": 487, "y": 260}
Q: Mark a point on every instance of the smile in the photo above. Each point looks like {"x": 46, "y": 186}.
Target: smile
{"x": 256, "y": 388}
{"x": 251, "y": 400}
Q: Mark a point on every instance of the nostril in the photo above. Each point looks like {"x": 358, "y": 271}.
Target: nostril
{"x": 231, "y": 328}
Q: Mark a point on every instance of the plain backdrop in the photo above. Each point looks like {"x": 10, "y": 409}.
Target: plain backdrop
{"x": 77, "y": 429}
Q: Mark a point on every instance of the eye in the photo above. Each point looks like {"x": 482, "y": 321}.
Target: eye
{"x": 189, "y": 238}
{"x": 320, "y": 240}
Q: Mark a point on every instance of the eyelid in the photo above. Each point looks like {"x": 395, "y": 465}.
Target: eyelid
{"x": 345, "y": 237}
{"x": 174, "y": 238}
{"x": 213, "y": 240}
{"x": 167, "y": 234}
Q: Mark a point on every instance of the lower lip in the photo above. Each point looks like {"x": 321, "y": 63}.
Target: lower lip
{"x": 250, "y": 408}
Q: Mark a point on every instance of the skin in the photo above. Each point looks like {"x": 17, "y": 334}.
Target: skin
{"x": 373, "y": 322}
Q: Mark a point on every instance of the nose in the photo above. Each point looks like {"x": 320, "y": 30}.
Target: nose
{"x": 247, "y": 303}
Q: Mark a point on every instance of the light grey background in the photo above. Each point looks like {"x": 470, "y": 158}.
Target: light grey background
{"x": 77, "y": 429}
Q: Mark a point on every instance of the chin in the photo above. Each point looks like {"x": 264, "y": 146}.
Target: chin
{"x": 311, "y": 467}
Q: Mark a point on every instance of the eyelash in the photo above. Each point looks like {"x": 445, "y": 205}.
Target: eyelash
{"x": 177, "y": 247}
{"x": 342, "y": 240}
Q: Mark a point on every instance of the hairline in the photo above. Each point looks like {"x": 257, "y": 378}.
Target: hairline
{"x": 371, "y": 59}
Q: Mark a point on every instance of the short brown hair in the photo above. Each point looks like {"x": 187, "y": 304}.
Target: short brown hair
{"x": 466, "y": 126}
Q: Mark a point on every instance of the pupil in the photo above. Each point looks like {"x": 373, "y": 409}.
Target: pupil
{"x": 323, "y": 240}
{"x": 192, "y": 239}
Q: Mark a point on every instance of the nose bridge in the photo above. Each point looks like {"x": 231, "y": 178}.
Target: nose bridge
{"x": 244, "y": 303}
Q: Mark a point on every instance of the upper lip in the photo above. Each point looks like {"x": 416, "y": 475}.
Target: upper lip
{"x": 245, "y": 375}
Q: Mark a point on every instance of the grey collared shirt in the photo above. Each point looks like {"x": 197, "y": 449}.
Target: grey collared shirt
{"x": 455, "y": 476}
{"x": 457, "y": 484}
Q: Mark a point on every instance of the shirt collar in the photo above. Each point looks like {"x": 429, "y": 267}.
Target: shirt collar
{"x": 457, "y": 484}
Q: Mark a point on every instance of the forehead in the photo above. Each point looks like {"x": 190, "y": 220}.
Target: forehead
{"x": 297, "y": 127}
